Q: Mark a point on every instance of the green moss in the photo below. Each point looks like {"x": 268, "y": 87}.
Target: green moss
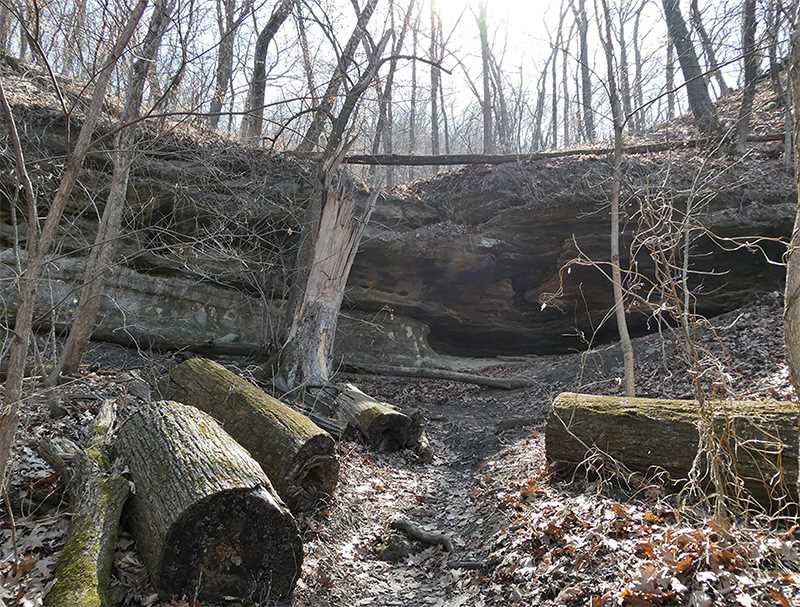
{"x": 671, "y": 409}
{"x": 76, "y": 574}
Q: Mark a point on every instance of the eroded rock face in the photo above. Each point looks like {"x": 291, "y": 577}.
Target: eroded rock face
{"x": 466, "y": 260}
{"x": 480, "y": 273}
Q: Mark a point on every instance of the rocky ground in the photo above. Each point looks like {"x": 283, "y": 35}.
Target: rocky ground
{"x": 520, "y": 536}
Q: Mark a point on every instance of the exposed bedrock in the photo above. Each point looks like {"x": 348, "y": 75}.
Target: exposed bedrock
{"x": 470, "y": 254}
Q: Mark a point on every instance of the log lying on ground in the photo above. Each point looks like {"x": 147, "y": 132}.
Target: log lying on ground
{"x": 205, "y": 517}
{"x": 648, "y": 434}
{"x": 298, "y": 456}
{"x": 98, "y": 494}
{"x": 502, "y": 383}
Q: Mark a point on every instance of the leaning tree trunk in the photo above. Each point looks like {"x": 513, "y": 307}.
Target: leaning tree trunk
{"x": 98, "y": 494}
{"x": 647, "y": 435}
{"x": 205, "y": 517}
{"x": 297, "y": 456}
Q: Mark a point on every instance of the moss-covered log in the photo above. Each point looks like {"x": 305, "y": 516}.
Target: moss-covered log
{"x": 381, "y": 425}
{"x": 204, "y": 515}
{"x": 98, "y": 494}
{"x": 297, "y": 455}
{"x": 648, "y": 435}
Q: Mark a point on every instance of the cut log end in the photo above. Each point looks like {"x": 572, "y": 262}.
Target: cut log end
{"x": 233, "y": 543}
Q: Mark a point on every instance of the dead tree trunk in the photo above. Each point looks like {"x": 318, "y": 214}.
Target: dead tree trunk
{"x": 751, "y": 61}
{"x": 205, "y": 517}
{"x": 332, "y": 230}
{"x": 108, "y": 231}
{"x": 252, "y": 123}
{"x": 583, "y": 429}
{"x": 98, "y": 494}
{"x": 297, "y": 456}
{"x": 38, "y": 244}
{"x": 708, "y": 48}
{"x": 696, "y": 90}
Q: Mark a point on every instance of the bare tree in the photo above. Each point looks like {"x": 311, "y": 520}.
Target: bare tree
{"x": 315, "y": 129}
{"x": 75, "y": 32}
{"x": 486, "y": 105}
{"x": 433, "y": 54}
{"x": 670, "y": 78}
{"x": 708, "y": 48}
{"x": 703, "y": 110}
{"x": 39, "y": 243}
{"x": 228, "y": 22}
{"x": 750, "y": 72}
{"x": 582, "y": 19}
{"x": 252, "y": 123}
{"x": 108, "y": 232}
{"x": 616, "y": 188}
{"x": 332, "y": 230}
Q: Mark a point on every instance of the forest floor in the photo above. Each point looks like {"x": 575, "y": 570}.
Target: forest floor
{"x": 521, "y": 536}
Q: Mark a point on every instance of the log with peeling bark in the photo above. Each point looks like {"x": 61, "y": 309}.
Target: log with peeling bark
{"x": 205, "y": 517}
{"x": 650, "y": 435}
{"x": 297, "y": 456}
{"x": 98, "y": 493}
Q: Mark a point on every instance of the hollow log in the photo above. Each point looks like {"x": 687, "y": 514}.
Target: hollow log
{"x": 98, "y": 494}
{"x": 205, "y": 517}
{"x": 649, "y": 435}
{"x": 297, "y": 456}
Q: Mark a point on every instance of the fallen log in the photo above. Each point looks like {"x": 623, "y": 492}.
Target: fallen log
{"x": 98, "y": 493}
{"x": 297, "y": 456}
{"x": 503, "y": 383}
{"x": 653, "y": 435}
{"x": 205, "y": 517}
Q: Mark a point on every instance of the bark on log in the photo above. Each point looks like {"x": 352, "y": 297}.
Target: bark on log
{"x": 381, "y": 425}
{"x": 205, "y": 517}
{"x": 648, "y": 434}
{"x": 297, "y": 456}
{"x": 502, "y": 383}
{"x": 98, "y": 494}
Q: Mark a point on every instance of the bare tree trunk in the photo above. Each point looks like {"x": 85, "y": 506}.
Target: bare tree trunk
{"x": 72, "y": 43}
{"x": 624, "y": 68}
{"x": 486, "y": 107}
{"x": 696, "y": 90}
{"x": 670, "y": 78}
{"x": 5, "y": 28}
{"x": 773, "y": 31}
{"x": 708, "y": 48}
{"x": 640, "y": 118}
{"x": 227, "y": 23}
{"x": 108, "y": 231}
{"x": 308, "y": 66}
{"x": 554, "y": 83}
{"x": 616, "y": 187}
{"x": 750, "y": 73}
{"x": 39, "y": 244}
{"x": 252, "y": 122}
{"x": 582, "y": 20}
{"x": 565, "y": 85}
{"x": 314, "y": 132}
{"x": 791, "y": 312}
{"x": 434, "y": 86}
